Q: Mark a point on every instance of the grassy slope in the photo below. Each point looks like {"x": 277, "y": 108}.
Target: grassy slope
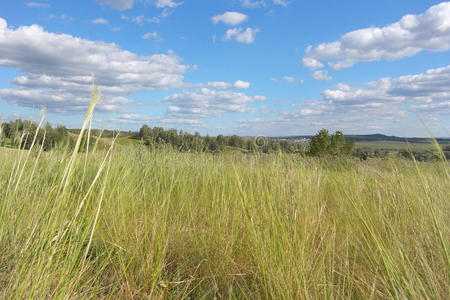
{"x": 168, "y": 224}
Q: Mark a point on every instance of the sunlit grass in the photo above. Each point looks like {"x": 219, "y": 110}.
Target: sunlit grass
{"x": 132, "y": 223}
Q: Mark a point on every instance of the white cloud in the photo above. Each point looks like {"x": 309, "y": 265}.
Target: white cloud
{"x": 136, "y": 119}
{"x": 128, "y": 4}
{"x": 430, "y": 89}
{"x": 309, "y": 112}
{"x": 167, "y": 3}
{"x": 117, "y": 4}
{"x": 311, "y": 63}
{"x": 241, "y": 84}
{"x": 281, "y": 2}
{"x": 242, "y": 36}
{"x": 37, "y": 4}
{"x": 440, "y": 108}
{"x": 58, "y": 68}
{"x": 407, "y": 37}
{"x": 308, "y": 117}
{"x": 151, "y": 35}
{"x": 289, "y": 79}
{"x": 62, "y": 17}
{"x": 99, "y": 21}
{"x": 60, "y": 101}
{"x": 230, "y": 18}
{"x": 141, "y": 119}
{"x": 252, "y": 4}
{"x": 221, "y": 85}
{"x": 262, "y": 3}
{"x": 308, "y": 121}
{"x": 321, "y": 75}
{"x": 388, "y": 105}
{"x": 141, "y": 19}
{"x": 206, "y": 103}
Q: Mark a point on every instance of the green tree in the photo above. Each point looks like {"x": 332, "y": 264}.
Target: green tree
{"x": 236, "y": 141}
{"x": 251, "y": 146}
{"x": 144, "y": 132}
{"x": 319, "y": 143}
{"x": 325, "y": 144}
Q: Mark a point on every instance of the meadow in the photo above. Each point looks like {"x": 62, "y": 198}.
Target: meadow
{"x": 132, "y": 223}
{"x": 399, "y": 146}
{"x": 122, "y": 220}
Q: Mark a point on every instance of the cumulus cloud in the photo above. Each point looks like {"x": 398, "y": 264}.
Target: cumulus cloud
{"x": 430, "y": 89}
{"x": 59, "y": 67}
{"x": 99, "y": 21}
{"x": 230, "y": 18}
{"x": 37, "y": 4}
{"x": 407, "y": 37}
{"x": 309, "y": 121}
{"x": 241, "y": 36}
{"x": 60, "y": 101}
{"x": 311, "y": 63}
{"x": 221, "y": 85}
{"x": 240, "y": 84}
{"x": 385, "y": 105}
{"x": 206, "y": 103}
{"x": 321, "y": 75}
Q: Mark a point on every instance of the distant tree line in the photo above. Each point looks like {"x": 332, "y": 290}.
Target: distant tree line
{"x": 425, "y": 155}
{"x": 20, "y": 133}
{"x": 184, "y": 141}
{"x": 320, "y": 145}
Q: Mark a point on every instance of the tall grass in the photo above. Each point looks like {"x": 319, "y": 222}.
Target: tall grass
{"x": 131, "y": 223}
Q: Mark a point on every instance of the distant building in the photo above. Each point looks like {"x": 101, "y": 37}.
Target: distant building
{"x": 302, "y": 141}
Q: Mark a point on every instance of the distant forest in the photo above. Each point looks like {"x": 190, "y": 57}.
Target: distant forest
{"x": 20, "y": 133}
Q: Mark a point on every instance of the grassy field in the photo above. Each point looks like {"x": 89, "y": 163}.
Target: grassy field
{"x": 130, "y": 223}
{"x": 398, "y": 146}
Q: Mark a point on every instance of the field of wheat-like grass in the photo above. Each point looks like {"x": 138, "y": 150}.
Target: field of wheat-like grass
{"x": 133, "y": 223}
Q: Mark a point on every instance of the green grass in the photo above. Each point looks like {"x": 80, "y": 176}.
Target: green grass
{"x": 127, "y": 141}
{"x": 134, "y": 223}
{"x": 120, "y": 221}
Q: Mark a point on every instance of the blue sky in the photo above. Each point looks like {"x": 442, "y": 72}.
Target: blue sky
{"x": 270, "y": 67}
